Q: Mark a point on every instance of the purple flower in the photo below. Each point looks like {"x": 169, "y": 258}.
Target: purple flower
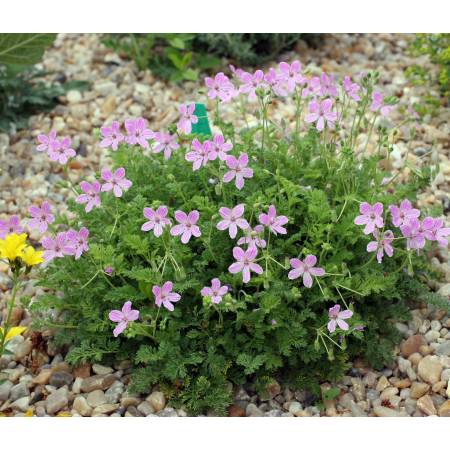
{"x": 165, "y": 142}
{"x": 435, "y": 231}
{"x": 216, "y": 291}
{"x": 305, "y": 268}
{"x": 273, "y": 222}
{"x": 112, "y": 136}
{"x": 245, "y": 263}
{"x": 157, "y": 220}
{"x": 238, "y": 170}
{"x": 232, "y": 219}
{"x": 378, "y": 104}
{"x": 220, "y": 148}
{"x": 91, "y": 195}
{"x": 251, "y": 82}
{"x": 79, "y": 241}
{"x": 414, "y": 234}
{"x": 337, "y": 317}
{"x": 371, "y": 217}
{"x": 123, "y": 317}
{"x": 115, "y": 182}
{"x": 253, "y": 237}
{"x": 12, "y": 225}
{"x": 61, "y": 151}
{"x": 220, "y": 87}
{"x": 351, "y": 89}
{"x": 137, "y": 132}
{"x": 58, "y": 247}
{"x": 46, "y": 141}
{"x": 188, "y": 117}
{"x": 186, "y": 225}
{"x": 321, "y": 113}
{"x": 165, "y": 296}
{"x": 41, "y": 217}
{"x": 327, "y": 85}
{"x": 402, "y": 215}
{"x": 381, "y": 245}
{"x": 199, "y": 155}
{"x": 108, "y": 270}
{"x": 291, "y": 74}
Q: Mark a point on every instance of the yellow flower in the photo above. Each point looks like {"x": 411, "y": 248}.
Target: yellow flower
{"x": 30, "y": 256}
{"x": 11, "y": 247}
{"x": 14, "y": 331}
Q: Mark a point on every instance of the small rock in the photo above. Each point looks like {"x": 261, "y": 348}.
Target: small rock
{"x": 443, "y": 349}
{"x": 96, "y": 398}
{"x": 73, "y": 96}
{"x": 432, "y": 336}
{"x": 425, "y": 404}
{"x": 382, "y": 411}
{"x": 412, "y": 345}
{"x": 81, "y": 405}
{"x": 107, "y": 408}
{"x": 382, "y": 384}
{"x": 146, "y": 408}
{"x": 157, "y": 400}
{"x": 23, "y": 349}
{"x": 253, "y": 411}
{"x": 295, "y": 408}
{"x": 236, "y": 411}
{"x": 127, "y": 401}
{"x": 167, "y": 412}
{"x": 402, "y": 384}
{"x": 83, "y": 371}
{"x": 359, "y": 391}
{"x": 18, "y": 391}
{"x": 60, "y": 379}
{"x": 102, "y": 370}
{"x": 43, "y": 377}
{"x": 444, "y": 409}
{"x": 370, "y": 379}
{"x": 57, "y": 400}
{"x": 438, "y": 386}
{"x": 419, "y": 389}
{"x": 430, "y": 369}
{"x": 22, "y": 404}
{"x": 104, "y": 87}
{"x": 114, "y": 392}
{"x": 5, "y": 389}
{"x": 388, "y": 393}
{"x": 97, "y": 382}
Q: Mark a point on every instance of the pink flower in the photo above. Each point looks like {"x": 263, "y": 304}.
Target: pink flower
{"x": 238, "y": 170}
{"x": 381, "y": 245}
{"x": 216, "y": 291}
{"x": 337, "y": 317}
{"x": 232, "y": 219}
{"x": 91, "y": 195}
{"x": 108, "y": 270}
{"x": 220, "y": 148}
{"x": 291, "y": 74}
{"x": 273, "y": 222}
{"x": 112, "y": 136}
{"x": 251, "y": 83}
{"x": 186, "y": 225}
{"x": 79, "y": 241}
{"x": 165, "y": 296}
{"x": 165, "y": 142}
{"x": 115, "y": 182}
{"x": 157, "y": 220}
{"x": 245, "y": 263}
{"x": 58, "y": 247}
{"x": 402, "y": 215}
{"x": 305, "y": 268}
{"x": 253, "y": 237}
{"x": 61, "y": 151}
{"x": 371, "y": 217}
{"x": 321, "y": 113}
{"x": 378, "y": 104}
{"x": 435, "y": 231}
{"x": 41, "y": 217}
{"x": 351, "y": 89}
{"x": 137, "y": 132}
{"x": 47, "y": 141}
{"x": 199, "y": 155}
{"x": 220, "y": 87}
{"x": 188, "y": 117}
{"x": 10, "y": 226}
{"x": 327, "y": 85}
{"x": 414, "y": 232}
{"x": 123, "y": 317}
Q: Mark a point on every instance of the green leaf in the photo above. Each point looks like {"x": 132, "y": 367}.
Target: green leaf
{"x": 332, "y": 393}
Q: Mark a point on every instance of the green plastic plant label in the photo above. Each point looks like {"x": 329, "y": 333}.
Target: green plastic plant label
{"x": 202, "y": 126}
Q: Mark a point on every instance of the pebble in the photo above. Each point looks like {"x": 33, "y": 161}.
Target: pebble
{"x": 167, "y": 412}
{"x": 5, "y": 389}
{"x": 57, "y": 400}
{"x": 443, "y": 349}
{"x": 419, "y": 389}
{"x": 432, "y": 336}
{"x": 146, "y": 408}
{"x": 236, "y": 411}
{"x": 127, "y": 401}
{"x": 157, "y": 400}
{"x": 430, "y": 369}
{"x": 388, "y": 393}
{"x": 425, "y": 404}
{"x": 83, "y": 371}
{"x": 106, "y": 408}
{"x": 76, "y": 387}
{"x": 295, "y": 408}
{"x": 382, "y": 384}
{"x": 22, "y": 404}
{"x": 444, "y": 409}
{"x": 96, "y": 398}
{"x": 97, "y": 382}
{"x": 60, "y": 379}
{"x": 73, "y": 96}
{"x": 253, "y": 411}
{"x": 101, "y": 370}
{"x": 114, "y": 392}
{"x": 81, "y": 405}
{"x": 43, "y": 377}
{"x": 23, "y": 349}
{"x": 18, "y": 391}
{"x": 382, "y": 411}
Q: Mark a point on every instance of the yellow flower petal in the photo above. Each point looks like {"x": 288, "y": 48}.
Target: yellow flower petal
{"x": 14, "y": 331}
{"x": 29, "y": 413}
{"x": 11, "y": 247}
{"x": 31, "y": 257}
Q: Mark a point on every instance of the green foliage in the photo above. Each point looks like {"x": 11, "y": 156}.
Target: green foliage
{"x": 437, "y": 47}
{"x": 269, "y": 327}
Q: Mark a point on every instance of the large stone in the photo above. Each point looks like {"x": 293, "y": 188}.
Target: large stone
{"x": 412, "y": 345}
{"x": 43, "y": 377}
{"x": 96, "y": 398}
{"x": 5, "y": 389}
{"x": 157, "y": 400}
{"x": 60, "y": 379}
{"x": 18, "y": 391}
{"x": 443, "y": 349}
{"x": 21, "y": 404}
{"x": 57, "y": 400}
{"x": 430, "y": 369}
{"x": 444, "y": 409}
{"x": 95, "y": 382}
{"x": 382, "y": 411}
{"x": 418, "y": 389}
{"x": 81, "y": 406}
{"x": 425, "y": 404}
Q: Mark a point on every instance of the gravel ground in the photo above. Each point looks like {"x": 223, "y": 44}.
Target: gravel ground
{"x": 41, "y": 383}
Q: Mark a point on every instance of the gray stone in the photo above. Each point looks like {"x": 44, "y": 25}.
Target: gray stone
{"x": 145, "y": 408}
{"x": 95, "y": 382}
{"x": 443, "y": 349}
{"x": 76, "y": 387}
{"x": 432, "y": 336}
{"x": 23, "y": 349}
{"x": 22, "y": 404}
{"x": 273, "y": 413}
{"x": 18, "y": 391}
{"x": 60, "y": 379}
{"x": 114, "y": 392}
{"x": 96, "y": 398}
{"x": 157, "y": 400}
{"x": 102, "y": 370}
{"x": 359, "y": 391}
{"x": 5, "y": 389}
{"x": 253, "y": 411}
{"x": 57, "y": 400}
{"x": 167, "y": 412}
{"x": 445, "y": 375}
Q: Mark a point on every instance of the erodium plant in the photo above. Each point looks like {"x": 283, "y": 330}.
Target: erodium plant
{"x": 269, "y": 249}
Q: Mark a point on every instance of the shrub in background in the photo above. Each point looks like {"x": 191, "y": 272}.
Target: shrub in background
{"x": 258, "y": 252}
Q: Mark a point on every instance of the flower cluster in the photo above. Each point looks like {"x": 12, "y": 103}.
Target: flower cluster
{"x": 66, "y": 243}
{"x": 13, "y": 248}
{"x": 58, "y": 150}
